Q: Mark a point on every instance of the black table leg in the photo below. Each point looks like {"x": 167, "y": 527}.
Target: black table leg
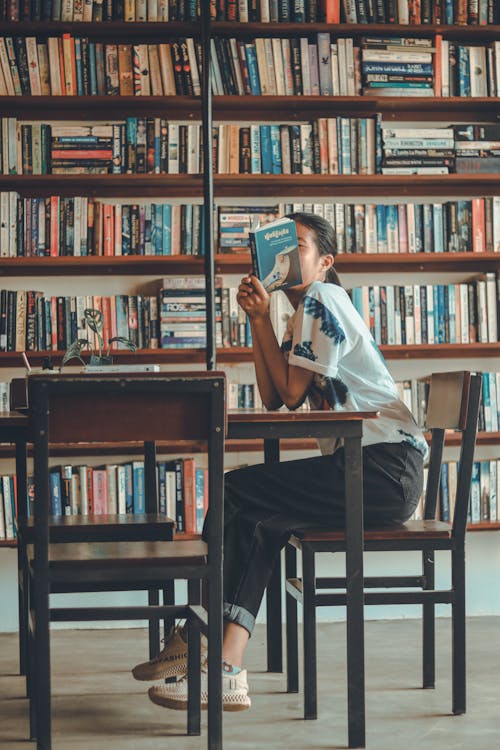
{"x": 354, "y": 593}
{"x": 273, "y": 593}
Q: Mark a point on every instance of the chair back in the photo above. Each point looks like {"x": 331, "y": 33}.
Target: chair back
{"x": 454, "y": 401}
{"x": 166, "y": 406}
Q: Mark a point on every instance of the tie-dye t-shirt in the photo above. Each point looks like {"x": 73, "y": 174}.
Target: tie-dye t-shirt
{"x": 328, "y": 336}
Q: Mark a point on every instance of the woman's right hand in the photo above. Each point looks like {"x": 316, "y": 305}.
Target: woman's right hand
{"x": 252, "y": 297}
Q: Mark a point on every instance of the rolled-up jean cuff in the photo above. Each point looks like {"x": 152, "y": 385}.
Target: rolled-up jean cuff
{"x": 239, "y": 615}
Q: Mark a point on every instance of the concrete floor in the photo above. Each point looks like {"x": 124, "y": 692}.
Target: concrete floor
{"x": 98, "y": 705}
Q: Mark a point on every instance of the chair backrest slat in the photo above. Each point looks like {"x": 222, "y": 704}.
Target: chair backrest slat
{"x": 454, "y": 400}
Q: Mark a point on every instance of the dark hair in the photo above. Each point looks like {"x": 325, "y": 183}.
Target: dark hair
{"x": 326, "y": 239}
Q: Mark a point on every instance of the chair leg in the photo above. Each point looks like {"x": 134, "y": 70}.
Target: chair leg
{"x": 214, "y": 607}
{"x": 154, "y": 626}
{"x": 41, "y": 682}
{"x": 194, "y": 679}
{"x": 309, "y": 634}
{"x": 428, "y": 624}
{"x": 274, "y": 620}
{"x": 168, "y": 598}
{"x": 458, "y": 631}
{"x": 29, "y": 685}
{"x": 22, "y": 596}
{"x": 292, "y": 655}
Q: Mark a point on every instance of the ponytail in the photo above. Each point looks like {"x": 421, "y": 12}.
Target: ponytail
{"x": 326, "y": 239}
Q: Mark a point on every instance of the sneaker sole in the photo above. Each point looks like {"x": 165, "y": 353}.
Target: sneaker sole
{"x": 178, "y": 705}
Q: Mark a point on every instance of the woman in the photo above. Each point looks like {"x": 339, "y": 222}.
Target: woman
{"x": 329, "y": 357}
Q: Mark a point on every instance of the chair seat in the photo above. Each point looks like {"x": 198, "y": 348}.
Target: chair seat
{"x": 409, "y": 530}
{"x": 113, "y": 562}
{"x": 101, "y": 527}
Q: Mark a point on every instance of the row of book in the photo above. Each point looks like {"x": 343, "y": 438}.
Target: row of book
{"x": 183, "y": 492}
{"x": 115, "y": 488}
{"x": 484, "y": 491}
{"x": 76, "y": 66}
{"x": 97, "y": 10}
{"x": 480, "y": 12}
{"x": 175, "y": 318}
{"x": 326, "y": 66}
{"x": 452, "y": 226}
{"x": 81, "y": 226}
{"x": 333, "y": 145}
{"x": 441, "y": 150}
{"x": 462, "y": 313}
{"x": 136, "y": 145}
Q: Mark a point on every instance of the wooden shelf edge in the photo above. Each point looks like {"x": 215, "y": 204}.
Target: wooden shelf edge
{"x": 226, "y": 263}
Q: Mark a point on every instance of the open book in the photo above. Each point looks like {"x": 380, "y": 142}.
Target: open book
{"x": 275, "y": 254}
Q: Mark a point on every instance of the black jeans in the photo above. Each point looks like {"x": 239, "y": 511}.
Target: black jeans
{"x": 264, "y": 503}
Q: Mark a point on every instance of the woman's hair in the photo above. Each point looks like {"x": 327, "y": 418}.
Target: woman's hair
{"x": 326, "y": 239}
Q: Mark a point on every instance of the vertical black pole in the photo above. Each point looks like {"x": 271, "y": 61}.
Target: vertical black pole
{"x": 208, "y": 184}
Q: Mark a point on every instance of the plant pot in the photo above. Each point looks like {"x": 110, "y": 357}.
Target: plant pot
{"x": 95, "y": 359}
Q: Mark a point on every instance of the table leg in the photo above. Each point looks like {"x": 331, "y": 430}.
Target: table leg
{"x": 273, "y": 593}
{"x": 355, "y": 593}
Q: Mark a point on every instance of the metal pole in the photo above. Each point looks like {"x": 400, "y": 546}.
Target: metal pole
{"x": 208, "y": 184}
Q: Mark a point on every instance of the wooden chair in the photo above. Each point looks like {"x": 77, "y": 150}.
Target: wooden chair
{"x": 156, "y": 406}
{"x": 150, "y": 526}
{"x": 454, "y": 401}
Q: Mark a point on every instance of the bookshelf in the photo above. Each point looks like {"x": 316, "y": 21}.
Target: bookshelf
{"x": 241, "y": 188}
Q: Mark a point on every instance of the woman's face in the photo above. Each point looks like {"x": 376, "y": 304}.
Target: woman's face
{"x": 313, "y": 265}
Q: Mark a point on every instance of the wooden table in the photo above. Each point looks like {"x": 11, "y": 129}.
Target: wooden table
{"x": 271, "y": 426}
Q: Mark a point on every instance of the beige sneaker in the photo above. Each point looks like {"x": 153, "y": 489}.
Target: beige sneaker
{"x": 175, "y": 694}
{"x": 171, "y": 661}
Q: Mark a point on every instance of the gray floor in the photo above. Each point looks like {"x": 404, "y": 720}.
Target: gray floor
{"x": 97, "y": 704}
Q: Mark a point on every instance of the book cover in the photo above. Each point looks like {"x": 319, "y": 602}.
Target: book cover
{"x": 275, "y": 254}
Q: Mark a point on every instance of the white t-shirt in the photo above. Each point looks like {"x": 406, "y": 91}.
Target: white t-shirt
{"x": 327, "y": 335}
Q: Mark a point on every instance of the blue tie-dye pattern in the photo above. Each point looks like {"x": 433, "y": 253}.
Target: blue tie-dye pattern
{"x": 330, "y": 326}
{"x": 286, "y": 346}
{"x": 409, "y": 439}
{"x": 304, "y": 350}
{"x": 334, "y": 391}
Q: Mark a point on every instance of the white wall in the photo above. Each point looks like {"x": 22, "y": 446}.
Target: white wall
{"x": 483, "y": 586}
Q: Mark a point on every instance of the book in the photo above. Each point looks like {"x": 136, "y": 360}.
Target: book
{"x": 275, "y": 254}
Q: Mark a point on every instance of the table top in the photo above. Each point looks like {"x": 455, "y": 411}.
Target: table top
{"x": 312, "y": 415}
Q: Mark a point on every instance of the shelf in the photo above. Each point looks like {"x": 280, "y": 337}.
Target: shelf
{"x": 106, "y": 185}
{"x": 242, "y": 186}
{"x": 113, "y": 265}
{"x": 238, "y": 354}
{"x": 102, "y": 107}
{"x": 239, "y": 263}
{"x": 183, "y": 447}
{"x": 243, "y": 108}
{"x": 106, "y": 31}
{"x": 269, "y": 108}
{"x": 482, "y": 526}
{"x": 345, "y": 186}
{"x": 381, "y": 262}
{"x": 283, "y": 29}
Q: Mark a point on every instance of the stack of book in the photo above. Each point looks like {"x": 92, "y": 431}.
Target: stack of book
{"x": 183, "y": 312}
{"x": 477, "y": 148}
{"x": 235, "y": 222}
{"x": 418, "y": 150}
{"x": 397, "y": 66}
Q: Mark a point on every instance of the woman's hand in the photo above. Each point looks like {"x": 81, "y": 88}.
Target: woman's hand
{"x": 252, "y": 297}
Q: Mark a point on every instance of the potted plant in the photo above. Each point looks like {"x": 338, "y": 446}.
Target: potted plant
{"x": 94, "y": 319}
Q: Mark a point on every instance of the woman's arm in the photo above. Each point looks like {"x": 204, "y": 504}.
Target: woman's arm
{"x": 278, "y": 381}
